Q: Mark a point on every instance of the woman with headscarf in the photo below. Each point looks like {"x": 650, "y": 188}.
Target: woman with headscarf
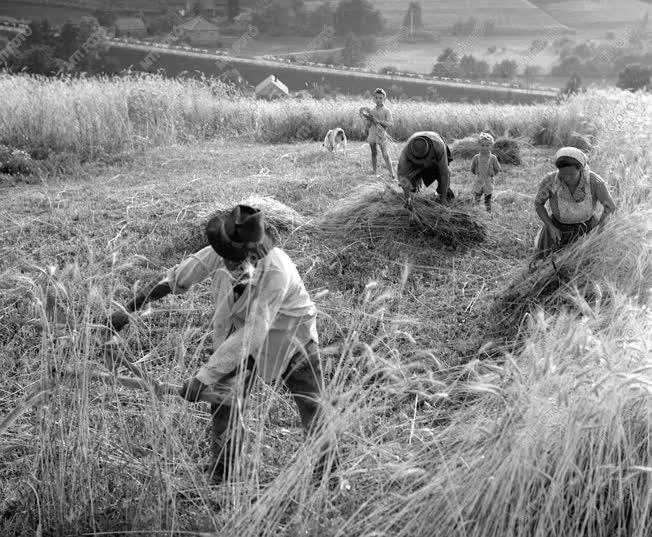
{"x": 572, "y": 193}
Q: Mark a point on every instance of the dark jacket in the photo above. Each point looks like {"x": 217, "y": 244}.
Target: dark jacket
{"x": 434, "y": 167}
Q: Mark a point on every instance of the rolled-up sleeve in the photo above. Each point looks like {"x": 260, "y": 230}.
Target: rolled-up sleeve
{"x": 193, "y": 269}
{"x": 247, "y": 341}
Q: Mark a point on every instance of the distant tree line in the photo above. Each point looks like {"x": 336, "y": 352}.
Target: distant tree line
{"x": 74, "y": 48}
{"x": 292, "y": 17}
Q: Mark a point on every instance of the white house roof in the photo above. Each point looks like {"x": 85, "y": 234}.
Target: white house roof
{"x": 271, "y": 85}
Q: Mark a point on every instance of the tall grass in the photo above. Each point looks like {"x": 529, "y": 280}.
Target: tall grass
{"x": 549, "y": 439}
{"x": 93, "y": 118}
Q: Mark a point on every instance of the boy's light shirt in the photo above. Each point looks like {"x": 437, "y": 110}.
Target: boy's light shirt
{"x": 377, "y": 133}
{"x": 272, "y": 320}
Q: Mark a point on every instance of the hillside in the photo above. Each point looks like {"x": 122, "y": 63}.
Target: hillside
{"x": 588, "y": 15}
{"x": 510, "y": 16}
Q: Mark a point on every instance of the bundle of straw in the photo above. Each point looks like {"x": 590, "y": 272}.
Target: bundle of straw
{"x": 582, "y": 275}
{"x": 277, "y": 215}
{"x": 378, "y": 213}
{"x": 279, "y": 220}
{"x": 507, "y": 150}
{"x": 365, "y": 112}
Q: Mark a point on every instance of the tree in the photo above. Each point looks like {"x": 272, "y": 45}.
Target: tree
{"x": 413, "y": 19}
{"x": 568, "y": 66}
{"x": 352, "y": 53}
{"x": 357, "y": 16}
{"x": 320, "y": 17}
{"x": 448, "y": 56}
{"x": 505, "y": 69}
{"x": 162, "y": 24}
{"x": 447, "y": 65}
{"x": 233, "y": 9}
{"x": 38, "y": 60}
{"x": 472, "y": 68}
{"x": 530, "y": 72}
{"x": 68, "y": 41}
{"x": 573, "y": 86}
{"x": 41, "y": 33}
{"x": 105, "y": 16}
{"x": 280, "y": 17}
{"x": 635, "y": 76}
{"x": 446, "y": 70}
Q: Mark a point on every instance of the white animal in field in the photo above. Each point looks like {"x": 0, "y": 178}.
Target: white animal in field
{"x": 335, "y": 139}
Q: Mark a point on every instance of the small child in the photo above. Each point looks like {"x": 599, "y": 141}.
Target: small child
{"x": 380, "y": 121}
{"x": 484, "y": 166}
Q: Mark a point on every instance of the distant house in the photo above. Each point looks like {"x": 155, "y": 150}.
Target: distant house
{"x": 129, "y": 27}
{"x": 199, "y": 32}
{"x": 271, "y": 88}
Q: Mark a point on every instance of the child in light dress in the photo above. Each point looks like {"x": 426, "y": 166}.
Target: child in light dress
{"x": 484, "y": 166}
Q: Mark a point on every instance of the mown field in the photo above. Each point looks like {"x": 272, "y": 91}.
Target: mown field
{"x": 585, "y": 15}
{"x": 507, "y": 15}
{"x": 447, "y": 424}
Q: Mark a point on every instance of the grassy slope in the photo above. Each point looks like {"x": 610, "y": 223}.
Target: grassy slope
{"x": 104, "y": 220}
{"x": 113, "y": 460}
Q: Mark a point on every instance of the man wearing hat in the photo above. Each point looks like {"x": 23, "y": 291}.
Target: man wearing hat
{"x": 264, "y": 323}
{"x": 572, "y": 193}
{"x": 424, "y": 159}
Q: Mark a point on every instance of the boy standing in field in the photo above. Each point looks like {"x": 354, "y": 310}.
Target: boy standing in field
{"x": 378, "y": 123}
{"x": 484, "y": 166}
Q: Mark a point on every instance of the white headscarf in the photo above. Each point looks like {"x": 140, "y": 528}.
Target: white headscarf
{"x": 485, "y": 136}
{"x": 582, "y": 159}
{"x": 574, "y": 153}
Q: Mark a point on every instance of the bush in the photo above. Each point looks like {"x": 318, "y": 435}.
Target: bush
{"x": 573, "y": 85}
{"x": 358, "y": 17}
{"x": 634, "y": 77}
{"x": 16, "y": 162}
{"x": 504, "y": 69}
{"x": 568, "y": 66}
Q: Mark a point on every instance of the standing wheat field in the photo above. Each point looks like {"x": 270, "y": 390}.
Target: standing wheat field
{"x": 469, "y": 397}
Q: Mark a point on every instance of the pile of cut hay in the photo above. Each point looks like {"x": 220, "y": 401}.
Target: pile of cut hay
{"x": 277, "y": 215}
{"x": 507, "y": 150}
{"x": 279, "y": 220}
{"x": 581, "y": 141}
{"x": 378, "y": 213}
{"x": 582, "y": 276}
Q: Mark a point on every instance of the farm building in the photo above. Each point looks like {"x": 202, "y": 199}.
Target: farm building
{"x": 129, "y": 27}
{"x": 271, "y": 88}
{"x": 199, "y": 32}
